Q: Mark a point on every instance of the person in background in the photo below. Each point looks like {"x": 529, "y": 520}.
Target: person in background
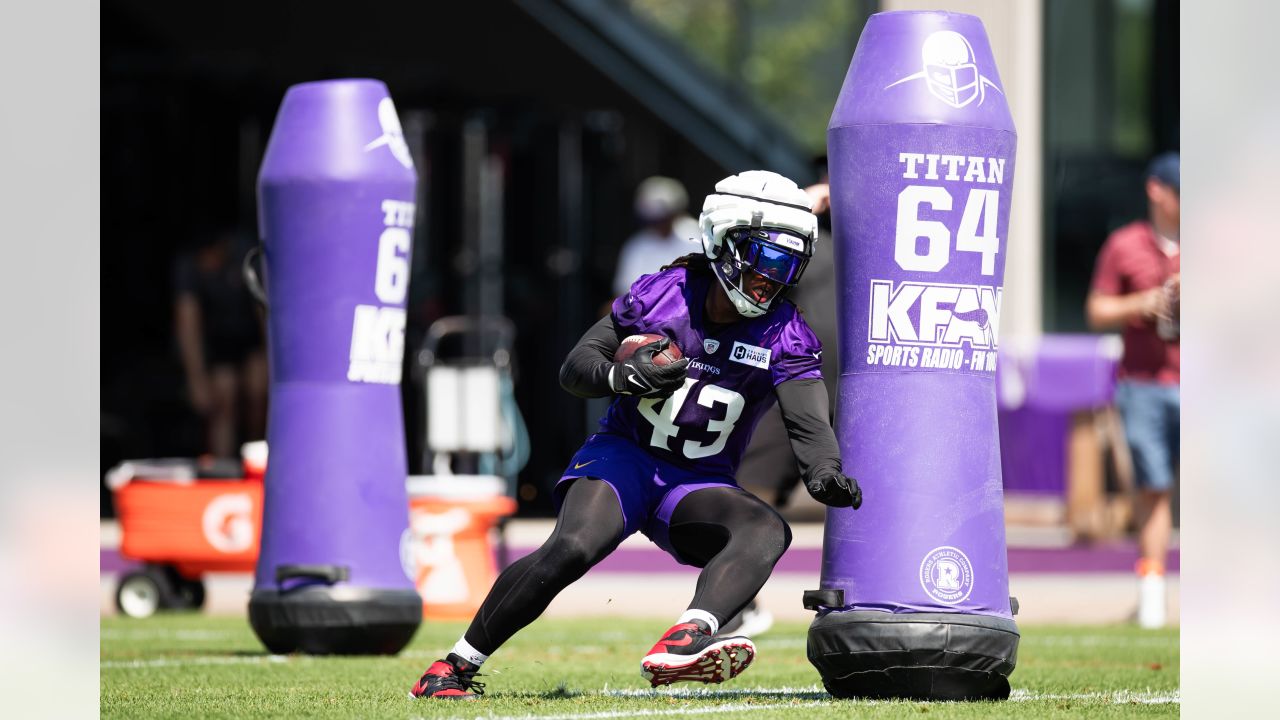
{"x": 667, "y": 233}
{"x": 1136, "y": 290}
{"x": 220, "y": 342}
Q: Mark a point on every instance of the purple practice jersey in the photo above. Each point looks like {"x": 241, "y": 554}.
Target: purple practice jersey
{"x": 705, "y": 426}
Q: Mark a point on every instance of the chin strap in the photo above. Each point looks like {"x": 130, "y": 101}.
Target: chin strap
{"x": 745, "y": 307}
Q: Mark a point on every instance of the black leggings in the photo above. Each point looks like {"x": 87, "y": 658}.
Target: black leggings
{"x": 731, "y": 534}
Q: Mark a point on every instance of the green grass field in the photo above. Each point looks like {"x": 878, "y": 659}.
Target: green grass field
{"x": 192, "y": 666}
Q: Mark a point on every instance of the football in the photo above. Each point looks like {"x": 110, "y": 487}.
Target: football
{"x": 631, "y": 343}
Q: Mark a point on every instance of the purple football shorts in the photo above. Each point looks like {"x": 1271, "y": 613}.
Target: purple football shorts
{"x": 648, "y": 489}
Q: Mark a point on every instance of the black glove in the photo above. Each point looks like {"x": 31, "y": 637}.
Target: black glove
{"x": 637, "y": 375}
{"x": 835, "y": 489}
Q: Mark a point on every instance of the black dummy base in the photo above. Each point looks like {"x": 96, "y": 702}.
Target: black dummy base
{"x": 335, "y": 619}
{"x": 918, "y": 656}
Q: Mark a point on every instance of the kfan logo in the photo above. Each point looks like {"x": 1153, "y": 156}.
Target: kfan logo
{"x": 377, "y": 345}
{"x": 914, "y": 313}
{"x": 377, "y": 331}
{"x": 949, "y": 70}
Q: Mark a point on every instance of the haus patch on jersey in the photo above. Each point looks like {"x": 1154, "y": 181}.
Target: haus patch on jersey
{"x": 752, "y": 355}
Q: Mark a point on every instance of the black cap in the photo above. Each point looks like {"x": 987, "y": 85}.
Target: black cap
{"x": 1164, "y": 167}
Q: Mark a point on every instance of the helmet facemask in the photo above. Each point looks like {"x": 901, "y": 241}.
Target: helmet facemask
{"x": 760, "y": 266}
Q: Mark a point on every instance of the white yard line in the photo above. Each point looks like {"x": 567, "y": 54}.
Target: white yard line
{"x": 1122, "y": 697}
{"x": 696, "y": 692}
{"x": 717, "y": 709}
{"x": 1118, "y": 697}
{"x": 176, "y": 634}
{"x": 781, "y": 642}
{"x": 196, "y": 660}
{"x": 1095, "y": 640}
{"x": 195, "y": 635}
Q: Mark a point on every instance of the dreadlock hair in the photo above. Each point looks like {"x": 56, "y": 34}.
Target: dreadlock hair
{"x": 694, "y": 261}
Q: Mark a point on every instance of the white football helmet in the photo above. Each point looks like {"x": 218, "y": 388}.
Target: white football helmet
{"x": 759, "y": 234}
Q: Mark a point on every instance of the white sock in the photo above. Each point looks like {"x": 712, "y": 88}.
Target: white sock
{"x": 464, "y": 650}
{"x": 1152, "y": 602}
{"x": 703, "y": 615}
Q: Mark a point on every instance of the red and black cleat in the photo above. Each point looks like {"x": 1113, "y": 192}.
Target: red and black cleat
{"x": 688, "y": 652}
{"x": 444, "y": 681}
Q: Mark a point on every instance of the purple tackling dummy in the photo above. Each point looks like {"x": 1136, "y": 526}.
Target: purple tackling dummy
{"x": 915, "y": 586}
{"x": 336, "y": 209}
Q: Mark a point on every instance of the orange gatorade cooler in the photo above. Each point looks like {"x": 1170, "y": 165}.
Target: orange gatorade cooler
{"x": 452, "y": 519}
{"x": 182, "y": 518}
{"x": 200, "y": 526}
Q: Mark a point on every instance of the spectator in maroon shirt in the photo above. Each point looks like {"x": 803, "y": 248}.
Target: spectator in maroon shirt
{"x": 1136, "y": 290}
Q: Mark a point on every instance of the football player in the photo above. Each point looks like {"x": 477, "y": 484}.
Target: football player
{"x": 664, "y": 460}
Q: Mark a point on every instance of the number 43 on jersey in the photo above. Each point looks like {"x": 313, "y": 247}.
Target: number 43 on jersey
{"x": 662, "y": 415}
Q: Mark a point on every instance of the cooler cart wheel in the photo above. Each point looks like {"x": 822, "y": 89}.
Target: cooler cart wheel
{"x": 188, "y": 594}
{"x": 142, "y": 592}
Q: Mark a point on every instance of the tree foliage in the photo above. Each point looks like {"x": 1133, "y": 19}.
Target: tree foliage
{"x": 790, "y": 56}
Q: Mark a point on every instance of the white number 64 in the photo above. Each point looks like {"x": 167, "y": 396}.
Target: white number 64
{"x": 982, "y": 207}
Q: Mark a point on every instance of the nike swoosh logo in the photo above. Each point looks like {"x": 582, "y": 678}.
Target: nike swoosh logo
{"x": 577, "y": 466}
{"x": 688, "y": 640}
{"x": 632, "y": 378}
{"x": 817, "y": 355}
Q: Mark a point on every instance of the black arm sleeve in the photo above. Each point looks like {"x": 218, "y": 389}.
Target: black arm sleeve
{"x": 585, "y": 371}
{"x": 805, "y": 412}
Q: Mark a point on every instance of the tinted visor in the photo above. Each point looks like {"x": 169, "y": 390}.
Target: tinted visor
{"x": 770, "y": 254}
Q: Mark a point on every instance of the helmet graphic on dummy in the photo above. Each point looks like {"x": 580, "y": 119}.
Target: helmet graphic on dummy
{"x": 950, "y": 70}
{"x": 757, "y": 225}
